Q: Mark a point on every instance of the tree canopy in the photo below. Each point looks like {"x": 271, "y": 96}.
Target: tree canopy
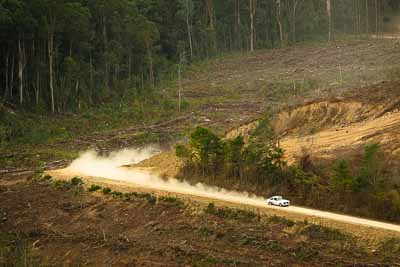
{"x": 66, "y": 55}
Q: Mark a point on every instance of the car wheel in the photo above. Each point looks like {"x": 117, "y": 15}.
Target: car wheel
{"x": 280, "y": 205}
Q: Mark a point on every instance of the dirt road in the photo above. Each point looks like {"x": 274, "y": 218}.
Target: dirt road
{"x": 142, "y": 180}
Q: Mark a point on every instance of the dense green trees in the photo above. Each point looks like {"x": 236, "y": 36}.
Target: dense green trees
{"x": 66, "y": 55}
{"x": 368, "y": 186}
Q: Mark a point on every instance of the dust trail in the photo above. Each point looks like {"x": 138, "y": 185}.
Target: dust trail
{"x": 92, "y": 164}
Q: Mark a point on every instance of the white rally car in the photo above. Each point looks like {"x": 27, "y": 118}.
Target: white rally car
{"x": 278, "y": 201}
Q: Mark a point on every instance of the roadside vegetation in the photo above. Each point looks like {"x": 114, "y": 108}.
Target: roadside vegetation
{"x": 367, "y": 186}
{"x": 127, "y": 225}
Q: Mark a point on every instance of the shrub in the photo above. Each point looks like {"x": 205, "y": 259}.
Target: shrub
{"x": 75, "y": 181}
{"x": 62, "y": 184}
{"x": 152, "y": 200}
{"x": 94, "y": 188}
{"x": 172, "y": 200}
{"x": 117, "y": 194}
{"x": 211, "y": 208}
{"x": 390, "y": 246}
{"x": 324, "y": 233}
{"x": 228, "y": 213}
{"x": 42, "y": 178}
{"x": 182, "y": 151}
{"x": 106, "y": 190}
{"x": 304, "y": 252}
{"x": 46, "y": 177}
{"x": 281, "y": 220}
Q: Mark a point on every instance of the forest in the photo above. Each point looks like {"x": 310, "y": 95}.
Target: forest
{"x": 67, "y": 56}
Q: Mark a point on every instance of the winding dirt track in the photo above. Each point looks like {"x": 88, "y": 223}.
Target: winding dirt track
{"x": 368, "y": 229}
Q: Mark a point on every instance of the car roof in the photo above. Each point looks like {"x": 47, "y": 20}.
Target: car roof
{"x": 276, "y": 196}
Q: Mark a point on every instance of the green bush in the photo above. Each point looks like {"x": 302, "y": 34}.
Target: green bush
{"x": 152, "y": 200}
{"x": 94, "y": 188}
{"x": 62, "y": 184}
{"x": 106, "y": 191}
{"x": 172, "y": 200}
{"x": 75, "y": 181}
{"x": 182, "y": 151}
{"x": 39, "y": 177}
{"x": 117, "y": 194}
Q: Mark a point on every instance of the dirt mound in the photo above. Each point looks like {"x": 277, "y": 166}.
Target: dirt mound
{"x": 244, "y": 131}
{"x": 318, "y": 116}
{"x": 331, "y": 127}
{"x": 166, "y": 164}
{"x": 384, "y": 130}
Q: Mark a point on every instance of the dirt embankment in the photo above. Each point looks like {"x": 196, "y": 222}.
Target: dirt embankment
{"x": 331, "y": 127}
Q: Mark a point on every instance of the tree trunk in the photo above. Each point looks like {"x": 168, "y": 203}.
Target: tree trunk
{"x": 279, "y": 18}
{"x": 252, "y": 10}
{"x": 151, "y": 70}
{"x": 21, "y": 66}
{"x": 130, "y": 66}
{"x": 210, "y": 13}
{"x": 329, "y": 13}
{"x": 77, "y": 94}
{"x": 180, "y": 83}
{"x": 359, "y": 17}
{"x": 105, "y": 39}
{"x": 366, "y": 17}
{"x": 376, "y": 17}
{"x": 294, "y": 21}
{"x": 51, "y": 58}
{"x": 37, "y": 89}
{"x": 91, "y": 76}
{"x": 7, "y": 74}
{"x": 237, "y": 25}
{"x": 12, "y": 75}
{"x": 189, "y": 31}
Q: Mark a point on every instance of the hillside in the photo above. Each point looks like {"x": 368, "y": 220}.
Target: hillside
{"x": 333, "y": 96}
{"x": 221, "y": 94}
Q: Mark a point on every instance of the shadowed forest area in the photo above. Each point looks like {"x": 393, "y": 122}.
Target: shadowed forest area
{"x": 112, "y": 60}
{"x": 69, "y": 56}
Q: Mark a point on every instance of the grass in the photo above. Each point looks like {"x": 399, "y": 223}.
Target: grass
{"x": 151, "y": 199}
{"x": 303, "y": 252}
{"x": 16, "y": 251}
{"x": 228, "y": 213}
{"x": 389, "y": 248}
{"x": 280, "y": 220}
{"x": 324, "y": 233}
{"x": 28, "y": 128}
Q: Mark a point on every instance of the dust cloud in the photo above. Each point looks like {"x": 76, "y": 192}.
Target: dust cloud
{"x": 110, "y": 167}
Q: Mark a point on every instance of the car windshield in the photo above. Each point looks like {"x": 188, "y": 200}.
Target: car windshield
{"x": 278, "y": 198}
